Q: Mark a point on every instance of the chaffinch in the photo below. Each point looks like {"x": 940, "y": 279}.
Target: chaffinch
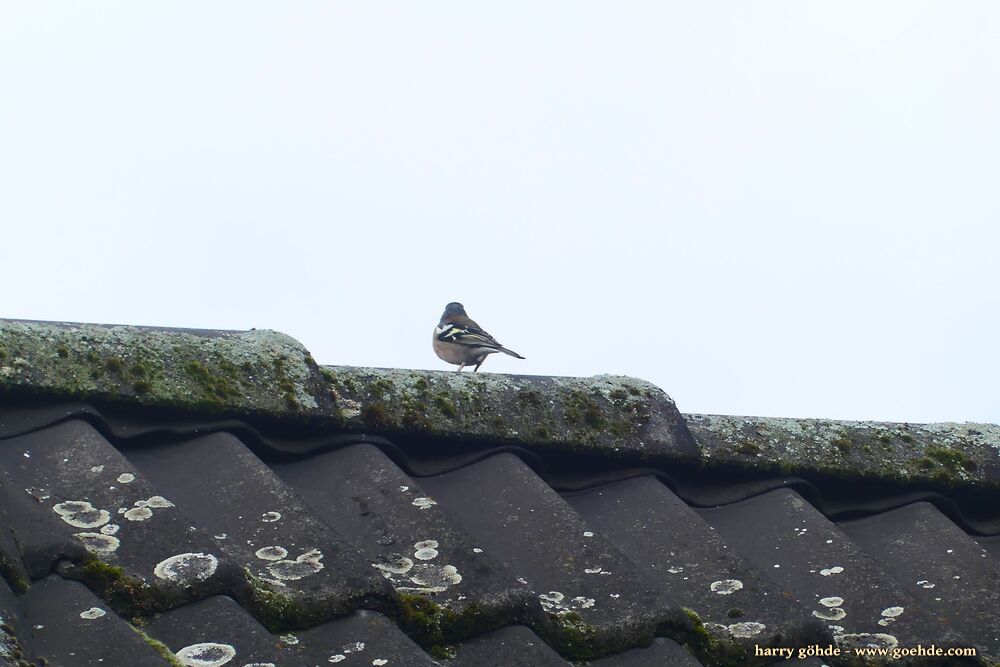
{"x": 459, "y": 340}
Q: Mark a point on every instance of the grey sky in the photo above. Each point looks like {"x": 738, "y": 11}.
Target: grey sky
{"x": 770, "y": 208}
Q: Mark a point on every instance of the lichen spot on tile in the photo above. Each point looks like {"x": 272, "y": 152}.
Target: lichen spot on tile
{"x": 138, "y": 514}
{"x": 99, "y": 544}
{"x": 271, "y": 553}
{"x": 429, "y": 578}
{"x": 337, "y": 657}
{"x": 581, "y": 602}
{"x": 746, "y": 630}
{"x": 836, "y": 569}
{"x": 125, "y": 478}
{"x": 270, "y": 517}
{"x": 97, "y": 469}
{"x": 726, "y": 586}
{"x": 260, "y": 664}
{"x": 592, "y": 570}
{"x": 92, "y": 613}
{"x": 188, "y": 568}
{"x": 394, "y": 564}
{"x": 425, "y": 550}
{"x": 109, "y": 529}
{"x": 675, "y": 569}
{"x": 81, "y": 514}
{"x": 889, "y": 616}
{"x": 831, "y": 602}
{"x": 378, "y": 662}
{"x": 303, "y": 566}
{"x": 423, "y": 503}
{"x": 552, "y": 601}
{"x": 291, "y": 640}
{"x": 831, "y": 614}
{"x": 923, "y": 583}
{"x": 206, "y": 654}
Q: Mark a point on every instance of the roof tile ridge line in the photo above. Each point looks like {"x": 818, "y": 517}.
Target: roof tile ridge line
{"x": 260, "y": 373}
{"x": 948, "y": 454}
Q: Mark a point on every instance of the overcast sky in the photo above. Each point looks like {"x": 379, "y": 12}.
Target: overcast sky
{"x": 767, "y": 208}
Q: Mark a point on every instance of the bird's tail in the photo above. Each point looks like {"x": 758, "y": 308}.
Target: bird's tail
{"x": 510, "y": 352}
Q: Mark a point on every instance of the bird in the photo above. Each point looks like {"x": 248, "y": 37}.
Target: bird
{"x": 459, "y": 340}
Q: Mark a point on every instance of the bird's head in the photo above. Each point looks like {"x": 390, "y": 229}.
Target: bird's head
{"x": 453, "y": 308}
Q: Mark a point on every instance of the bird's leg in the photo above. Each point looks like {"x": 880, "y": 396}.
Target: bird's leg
{"x": 460, "y": 367}
{"x": 477, "y": 366}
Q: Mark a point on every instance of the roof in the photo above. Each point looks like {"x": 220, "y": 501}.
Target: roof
{"x": 218, "y": 498}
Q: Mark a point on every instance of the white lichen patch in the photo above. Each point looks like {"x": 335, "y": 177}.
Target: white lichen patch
{"x": 109, "y": 529}
{"x": 394, "y": 564}
{"x": 726, "y": 586}
{"x": 337, "y": 657}
{"x": 92, "y": 613}
{"x": 675, "y": 569}
{"x": 187, "y": 568}
{"x": 260, "y": 664}
{"x": 892, "y": 612}
{"x": 271, "y": 553}
{"x": 303, "y": 566}
{"x": 867, "y": 640}
{"x": 291, "y": 640}
{"x": 270, "y": 517}
{"x": 831, "y": 602}
{"x": 138, "y": 514}
{"x": 831, "y": 614}
{"x": 423, "y": 503}
{"x": 552, "y": 601}
{"x": 836, "y": 569}
{"x": 206, "y": 654}
{"x": 378, "y": 662}
{"x": 155, "y": 502}
{"x": 746, "y": 630}
{"x": 555, "y": 602}
{"x": 430, "y": 578}
{"x": 592, "y": 570}
{"x": 98, "y": 469}
{"x": 81, "y": 514}
{"x": 425, "y": 554}
{"x": 923, "y": 583}
{"x": 99, "y": 544}
{"x": 125, "y": 478}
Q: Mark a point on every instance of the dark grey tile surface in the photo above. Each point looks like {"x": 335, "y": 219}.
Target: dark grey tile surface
{"x": 809, "y": 558}
{"x": 678, "y": 553}
{"x": 263, "y": 526}
{"x": 512, "y": 645}
{"x": 404, "y": 533}
{"x": 946, "y": 572}
{"x": 517, "y": 518}
{"x": 72, "y": 627}
{"x": 661, "y": 652}
{"x": 75, "y": 490}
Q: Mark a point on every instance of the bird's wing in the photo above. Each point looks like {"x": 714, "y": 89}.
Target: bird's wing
{"x": 468, "y": 334}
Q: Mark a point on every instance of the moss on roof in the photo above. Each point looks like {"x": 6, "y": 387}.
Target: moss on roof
{"x": 948, "y": 454}
{"x": 259, "y": 375}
